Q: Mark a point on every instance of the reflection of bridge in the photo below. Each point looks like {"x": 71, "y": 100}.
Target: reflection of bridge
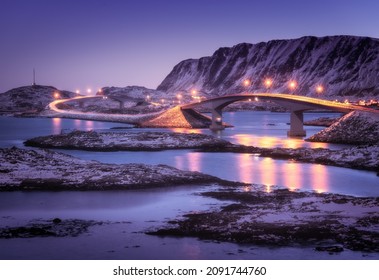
{"x": 296, "y": 104}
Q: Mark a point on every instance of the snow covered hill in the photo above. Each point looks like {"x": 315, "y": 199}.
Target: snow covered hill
{"x": 30, "y": 99}
{"x": 133, "y": 92}
{"x": 342, "y": 65}
{"x": 354, "y": 128}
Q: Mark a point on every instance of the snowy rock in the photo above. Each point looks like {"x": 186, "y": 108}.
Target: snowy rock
{"x": 29, "y": 99}
{"x": 133, "y": 93}
{"x": 353, "y": 128}
{"x": 130, "y": 141}
{"x": 279, "y": 217}
{"x": 47, "y": 170}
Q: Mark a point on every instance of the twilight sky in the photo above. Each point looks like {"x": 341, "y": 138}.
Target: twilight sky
{"x": 76, "y": 44}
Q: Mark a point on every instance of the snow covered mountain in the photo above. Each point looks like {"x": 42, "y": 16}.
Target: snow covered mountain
{"x": 30, "y": 99}
{"x": 342, "y": 65}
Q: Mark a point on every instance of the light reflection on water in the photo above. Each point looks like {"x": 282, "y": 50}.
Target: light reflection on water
{"x": 252, "y": 128}
{"x": 272, "y": 142}
{"x": 148, "y": 208}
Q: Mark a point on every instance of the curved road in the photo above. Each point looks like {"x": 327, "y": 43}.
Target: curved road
{"x": 73, "y": 114}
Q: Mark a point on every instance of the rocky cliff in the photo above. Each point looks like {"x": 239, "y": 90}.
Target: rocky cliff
{"x": 343, "y": 65}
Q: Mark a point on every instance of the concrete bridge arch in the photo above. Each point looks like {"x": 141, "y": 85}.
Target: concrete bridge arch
{"x": 297, "y": 105}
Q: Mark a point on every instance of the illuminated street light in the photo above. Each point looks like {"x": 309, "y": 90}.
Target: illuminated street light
{"x": 77, "y": 91}
{"x": 179, "y": 97}
{"x": 194, "y": 91}
{"x": 246, "y": 82}
{"x": 292, "y": 85}
{"x": 319, "y": 89}
{"x": 268, "y": 83}
{"x": 89, "y": 90}
{"x": 56, "y": 95}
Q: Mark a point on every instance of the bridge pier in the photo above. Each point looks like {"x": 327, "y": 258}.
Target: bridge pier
{"x": 296, "y": 124}
{"x": 217, "y": 120}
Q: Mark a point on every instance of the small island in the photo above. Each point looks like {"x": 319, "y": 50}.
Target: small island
{"x": 30, "y": 170}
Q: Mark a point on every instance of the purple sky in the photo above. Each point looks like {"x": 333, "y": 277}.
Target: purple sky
{"x": 76, "y": 44}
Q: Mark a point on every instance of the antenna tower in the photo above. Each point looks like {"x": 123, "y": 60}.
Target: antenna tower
{"x": 34, "y": 77}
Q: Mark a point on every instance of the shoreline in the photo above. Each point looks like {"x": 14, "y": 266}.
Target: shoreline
{"x": 280, "y": 217}
{"x": 44, "y": 170}
{"x": 364, "y": 157}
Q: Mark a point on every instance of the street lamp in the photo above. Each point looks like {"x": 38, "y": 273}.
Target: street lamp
{"x": 89, "y": 90}
{"x": 268, "y": 83}
{"x": 56, "y": 95}
{"x": 292, "y": 85}
{"x": 319, "y": 89}
{"x": 179, "y": 97}
{"x": 247, "y": 84}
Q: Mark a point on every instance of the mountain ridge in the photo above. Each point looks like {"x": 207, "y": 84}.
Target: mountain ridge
{"x": 344, "y": 65}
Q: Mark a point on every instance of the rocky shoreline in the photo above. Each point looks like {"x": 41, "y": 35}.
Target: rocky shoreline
{"x": 356, "y": 128}
{"x": 361, "y": 157}
{"x": 365, "y": 157}
{"x": 49, "y": 228}
{"x": 29, "y": 170}
{"x": 126, "y": 141}
{"x": 271, "y": 216}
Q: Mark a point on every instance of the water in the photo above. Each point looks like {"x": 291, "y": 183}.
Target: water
{"x": 130, "y": 213}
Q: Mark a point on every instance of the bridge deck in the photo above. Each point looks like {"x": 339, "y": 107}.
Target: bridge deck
{"x": 312, "y": 103}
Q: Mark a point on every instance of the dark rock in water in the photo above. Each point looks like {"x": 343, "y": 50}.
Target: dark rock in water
{"x": 57, "y": 221}
{"x": 53, "y": 228}
{"x": 330, "y": 249}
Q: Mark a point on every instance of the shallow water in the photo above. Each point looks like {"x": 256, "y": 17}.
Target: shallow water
{"x": 129, "y": 214}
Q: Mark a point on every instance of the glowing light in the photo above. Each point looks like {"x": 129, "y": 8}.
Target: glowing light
{"x": 293, "y": 175}
{"x": 292, "y": 85}
{"x": 57, "y": 126}
{"x": 194, "y": 161}
{"x": 77, "y": 91}
{"x": 319, "y": 89}
{"x": 268, "y": 83}
{"x": 56, "y": 95}
{"x": 246, "y": 175}
{"x": 89, "y": 90}
{"x": 319, "y": 177}
{"x": 247, "y": 189}
{"x": 194, "y": 91}
{"x": 162, "y": 100}
{"x": 179, "y": 96}
{"x": 100, "y": 90}
{"x": 268, "y": 189}
{"x": 246, "y": 82}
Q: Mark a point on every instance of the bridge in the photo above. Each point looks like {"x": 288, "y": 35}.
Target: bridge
{"x": 294, "y": 103}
